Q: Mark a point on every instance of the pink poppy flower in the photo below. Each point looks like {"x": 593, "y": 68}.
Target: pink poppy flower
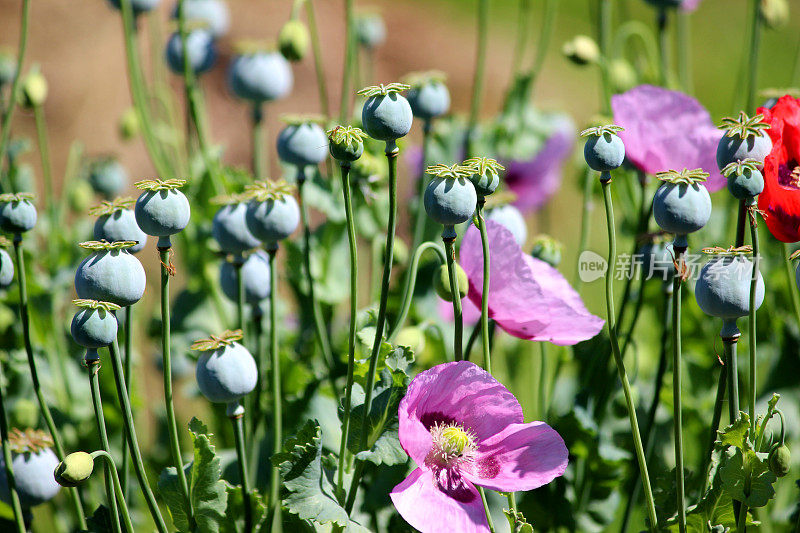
{"x": 464, "y": 428}
{"x": 528, "y": 298}
{"x": 536, "y": 180}
{"x": 667, "y": 130}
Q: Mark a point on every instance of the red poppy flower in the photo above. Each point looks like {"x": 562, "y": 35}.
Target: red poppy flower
{"x": 781, "y": 196}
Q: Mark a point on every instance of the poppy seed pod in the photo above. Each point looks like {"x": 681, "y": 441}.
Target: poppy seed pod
{"x": 226, "y": 374}
{"x": 17, "y": 213}
{"x": 33, "y": 89}
{"x": 723, "y": 287}
{"x": 386, "y": 115}
{"x": 293, "y": 40}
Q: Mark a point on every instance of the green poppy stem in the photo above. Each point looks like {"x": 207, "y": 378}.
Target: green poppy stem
{"x": 458, "y": 319}
{"x": 126, "y": 458}
{"x": 521, "y": 41}
{"x": 586, "y": 220}
{"x": 751, "y": 324}
{"x": 37, "y": 386}
{"x": 138, "y": 90}
{"x": 126, "y": 517}
{"x": 755, "y": 41}
{"x": 319, "y": 66}
{"x": 319, "y": 324}
{"x": 277, "y": 396}
{"x": 258, "y": 125}
{"x": 240, "y": 321}
{"x": 19, "y": 520}
{"x": 5, "y": 136}
{"x": 172, "y": 426}
{"x": 486, "y": 509}
{"x": 677, "y": 282}
{"x": 351, "y": 338}
{"x": 605, "y": 181}
{"x": 478, "y": 79}
{"x": 662, "y": 22}
{"x": 604, "y": 42}
{"x": 47, "y": 168}
{"x": 481, "y": 220}
{"x": 658, "y": 383}
{"x": 236, "y": 414}
{"x": 92, "y": 362}
{"x": 133, "y": 442}
{"x": 411, "y": 282}
{"x": 420, "y": 218}
{"x": 349, "y": 58}
{"x": 543, "y": 379}
{"x": 391, "y": 155}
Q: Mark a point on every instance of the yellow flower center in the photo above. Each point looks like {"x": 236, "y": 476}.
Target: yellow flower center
{"x": 451, "y": 443}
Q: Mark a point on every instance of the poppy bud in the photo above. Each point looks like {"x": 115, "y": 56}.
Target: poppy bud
{"x": 547, "y": 249}
{"x": 74, "y": 469}
{"x": 441, "y": 282}
{"x": 411, "y": 337}
{"x": 34, "y": 89}
{"x": 780, "y": 460}
{"x": 293, "y": 40}
{"x": 622, "y": 74}
{"x": 775, "y": 13}
{"x": 129, "y": 125}
{"x": 581, "y": 50}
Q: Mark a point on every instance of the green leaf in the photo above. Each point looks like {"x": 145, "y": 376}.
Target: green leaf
{"x": 517, "y": 522}
{"x": 736, "y": 433}
{"x": 100, "y": 521}
{"x": 746, "y": 477}
{"x": 206, "y": 489}
{"x": 235, "y": 509}
{"x": 383, "y": 444}
{"x": 309, "y": 491}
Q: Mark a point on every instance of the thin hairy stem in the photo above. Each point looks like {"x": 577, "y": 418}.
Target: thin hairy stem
{"x": 130, "y": 435}
{"x": 478, "y": 79}
{"x": 19, "y": 520}
{"x": 277, "y": 396}
{"x": 319, "y": 66}
{"x": 458, "y": 319}
{"x": 172, "y": 426}
{"x": 790, "y": 281}
{"x": 93, "y": 366}
{"x": 5, "y": 136}
{"x": 487, "y": 356}
{"x": 605, "y": 181}
{"x": 241, "y": 458}
{"x": 24, "y": 312}
{"x": 349, "y": 57}
{"x": 128, "y": 378}
{"x": 259, "y": 134}
{"x": 411, "y": 282}
{"x": 751, "y": 324}
{"x": 676, "y": 388}
{"x": 351, "y": 337}
{"x": 420, "y": 220}
{"x": 319, "y": 324}
{"x": 123, "y": 506}
{"x": 755, "y": 42}
{"x": 486, "y": 509}
{"x": 391, "y": 155}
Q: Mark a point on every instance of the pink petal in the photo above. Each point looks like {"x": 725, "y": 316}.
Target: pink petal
{"x": 527, "y": 298}
{"x": 667, "y": 130}
{"x": 460, "y": 392}
{"x": 521, "y": 457}
{"x": 429, "y": 510}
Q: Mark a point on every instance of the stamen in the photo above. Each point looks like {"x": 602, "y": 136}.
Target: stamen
{"x": 452, "y": 444}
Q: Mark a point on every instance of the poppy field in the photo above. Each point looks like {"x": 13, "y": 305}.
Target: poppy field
{"x": 427, "y": 301}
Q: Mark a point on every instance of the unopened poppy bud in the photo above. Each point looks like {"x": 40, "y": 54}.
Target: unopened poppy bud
{"x": 622, "y": 74}
{"x": 34, "y": 89}
{"x": 780, "y": 460}
{"x": 74, "y": 469}
{"x": 129, "y": 125}
{"x": 24, "y": 413}
{"x": 547, "y": 249}
{"x": 441, "y": 282}
{"x": 80, "y": 196}
{"x": 293, "y": 40}
{"x": 775, "y": 13}
{"x": 411, "y": 337}
{"x": 581, "y": 50}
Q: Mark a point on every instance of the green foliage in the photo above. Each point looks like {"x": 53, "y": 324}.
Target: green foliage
{"x": 516, "y": 521}
{"x": 309, "y": 491}
{"x": 206, "y": 488}
{"x": 235, "y": 509}
{"x": 746, "y": 476}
